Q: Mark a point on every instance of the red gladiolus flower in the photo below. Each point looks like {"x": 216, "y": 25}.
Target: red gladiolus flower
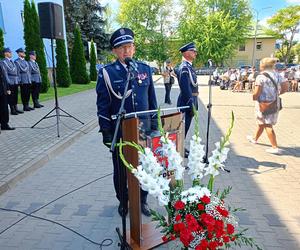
{"x": 172, "y": 237}
{"x": 178, "y": 227}
{"x": 230, "y": 229}
{"x": 233, "y": 238}
{"x": 200, "y": 207}
{"x": 226, "y": 239}
{"x": 164, "y": 238}
{"x": 179, "y": 205}
{"x": 203, "y": 245}
{"x": 207, "y": 219}
{"x": 205, "y": 199}
{"x": 222, "y": 211}
{"x": 186, "y": 237}
{"x": 213, "y": 245}
{"x": 178, "y": 217}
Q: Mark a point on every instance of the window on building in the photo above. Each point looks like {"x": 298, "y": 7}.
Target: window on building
{"x": 258, "y": 45}
{"x": 242, "y": 47}
{"x": 1, "y": 19}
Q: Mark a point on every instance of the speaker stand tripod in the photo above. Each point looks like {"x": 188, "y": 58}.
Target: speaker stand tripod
{"x": 56, "y": 108}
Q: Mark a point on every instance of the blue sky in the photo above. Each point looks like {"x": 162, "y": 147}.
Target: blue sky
{"x": 272, "y": 6}
{"x": 256, "y": 4}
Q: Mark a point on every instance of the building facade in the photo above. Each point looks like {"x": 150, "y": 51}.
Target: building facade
{"x": 253, "y": 51}
{"x": 11, "y": 22}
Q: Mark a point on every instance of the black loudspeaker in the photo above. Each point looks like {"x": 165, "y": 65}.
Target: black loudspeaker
{"x": 51, "y": 20}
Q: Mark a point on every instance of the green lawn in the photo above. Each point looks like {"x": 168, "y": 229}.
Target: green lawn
{"x": 74, "y": 88}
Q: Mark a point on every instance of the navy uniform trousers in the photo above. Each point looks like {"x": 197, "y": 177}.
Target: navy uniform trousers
{"x": 188, "y": 96}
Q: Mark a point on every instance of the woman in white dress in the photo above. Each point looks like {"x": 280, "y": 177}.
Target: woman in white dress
{"x": 265, "y": 91}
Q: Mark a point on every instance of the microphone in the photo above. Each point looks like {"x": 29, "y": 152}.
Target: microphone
{"x": 210, "y": 63}
{"x": 131, "y": 64}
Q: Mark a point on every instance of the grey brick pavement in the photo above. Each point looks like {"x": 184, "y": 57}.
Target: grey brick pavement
{"x": 266, "y": 185}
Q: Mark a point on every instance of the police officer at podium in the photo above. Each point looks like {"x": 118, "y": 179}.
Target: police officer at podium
{"x": 187, "y": 80}
{"x": 110, "y": 90}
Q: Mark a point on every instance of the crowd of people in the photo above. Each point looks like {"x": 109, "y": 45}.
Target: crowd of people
{"x": 243, "y": 79}
{"x": 15, "y": 75}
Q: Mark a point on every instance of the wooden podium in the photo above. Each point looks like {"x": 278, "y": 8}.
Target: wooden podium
{"x": 145, "y": 236}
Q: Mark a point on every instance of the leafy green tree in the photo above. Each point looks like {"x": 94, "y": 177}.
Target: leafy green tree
{"x": 284, "y": 25}
{"x": 62, "y": 68}
{"x": 33, "y": 40}
{"x": 147, "y": 19}
{"x": 216, "y": 26}
{"x": 89, "y": 15}
{"x": 1, "y": 44}
{"x": 93, "y": 70}
{"x": 78, "y": 62}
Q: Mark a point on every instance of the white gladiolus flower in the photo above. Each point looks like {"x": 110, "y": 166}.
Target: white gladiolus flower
{"x": 174, "y": 158}
{"x": 195, "y": 164}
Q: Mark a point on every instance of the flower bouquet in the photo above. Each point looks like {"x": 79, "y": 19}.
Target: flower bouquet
{"x": 197, "y": 216}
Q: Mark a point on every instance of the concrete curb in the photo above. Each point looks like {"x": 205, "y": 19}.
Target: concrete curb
{"x": 12, "y": 179}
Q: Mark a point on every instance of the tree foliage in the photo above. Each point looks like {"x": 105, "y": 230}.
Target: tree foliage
{"x": 89, "y": 15}
{"x": 33, "y": 40}
{"x": 1, "y": 44}
{"x": 216, "y": 26}
{"x": 63, "y": 76}
{"x": 148, "y": 20}
{"x": 78, "y": 62}
{"x": 93, "y": 71}
{"x": 285, "y": 25}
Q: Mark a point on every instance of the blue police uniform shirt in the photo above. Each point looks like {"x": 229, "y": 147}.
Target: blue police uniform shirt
{"x": 10, "y": 72}
{"x": 110, "y": 89}
{"x": 34, "y": 71}
{"x": 187, "y": 80}
{"x": 23, "y": 71}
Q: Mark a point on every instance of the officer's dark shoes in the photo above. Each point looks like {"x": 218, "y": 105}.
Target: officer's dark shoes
{"x": 186, "y": 153}
{"x": 37, "y": 105}
{"x": 30, "y": 108}
{"x": 6, "y": 127}
{"x": 26, "y": 108}
{"x": 13, "y": 112}
{"x": 121, "y": 210}
{"x": 145, "y": 209}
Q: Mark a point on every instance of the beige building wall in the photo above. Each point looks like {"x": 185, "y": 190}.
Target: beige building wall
{"x": 265, "y": 48}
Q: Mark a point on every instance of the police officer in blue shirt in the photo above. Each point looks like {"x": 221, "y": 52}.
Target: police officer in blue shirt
{"x": 10, "y": 74}
{"x": 110, "y": 90}
{"x": 187, "y": 80}
{"x": 36, "y": 79}
{"x": 24, "y": 79}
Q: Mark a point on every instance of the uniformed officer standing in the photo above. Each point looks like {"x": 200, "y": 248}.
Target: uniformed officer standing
{"x": 4, "y": 91}
{"x": 187, "y": 80}
{"x": 11, "y": 77}
{"x": 36, "y": 79}
{"x": 110, "y": 90}
{"x": 24, "y": 79}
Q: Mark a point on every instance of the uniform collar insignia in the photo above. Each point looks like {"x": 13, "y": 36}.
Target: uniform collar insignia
{"x": 118, "y": 67}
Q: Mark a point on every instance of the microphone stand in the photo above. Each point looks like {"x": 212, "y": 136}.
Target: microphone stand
{"x": 209, "y": 107}
{"x": 122, "y": 171}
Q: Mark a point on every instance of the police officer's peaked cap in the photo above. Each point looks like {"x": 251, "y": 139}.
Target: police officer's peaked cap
{"x": 5, "y": 50}
{"x": 186, "y": 47}
{"x": 121, "y": 36}
{"x": 32, "y": 53}
{"x": 20, "y": 50}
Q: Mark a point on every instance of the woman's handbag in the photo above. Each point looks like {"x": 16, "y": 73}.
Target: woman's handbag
{"x": 267, "y": 108}
{"x": 172, "y": 80}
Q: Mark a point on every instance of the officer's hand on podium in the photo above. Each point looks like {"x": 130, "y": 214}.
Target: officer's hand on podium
{"x": 107, "y": 137}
